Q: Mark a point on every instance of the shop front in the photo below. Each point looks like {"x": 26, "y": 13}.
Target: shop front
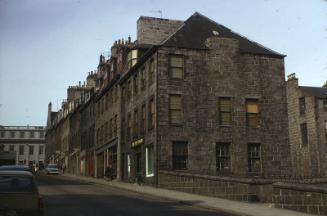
{"x": 107, "y": 158}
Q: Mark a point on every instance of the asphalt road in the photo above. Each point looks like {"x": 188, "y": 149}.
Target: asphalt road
{"x": 63, "y": 196}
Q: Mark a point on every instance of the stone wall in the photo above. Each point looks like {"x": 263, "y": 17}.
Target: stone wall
{"x": 242, "y": 189}
{"x": 223, "y": 71}
{"x": 301, "y": 197}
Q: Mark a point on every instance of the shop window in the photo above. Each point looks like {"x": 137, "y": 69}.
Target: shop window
{"x": 175, "y": 109}
{"x": 180, "y": 155}
{"x": 128, "y": 165}
{"x": 176, "y": 66}
{"x": 222, "y": 156}
{"x": 225, "y": 111}
{"x": 252, "y": 112}
{"x": 304, "y": 134}
{"x": 254, "y": 159}
{"x": 149, "y": 161}
{"x": 302, "y": 105}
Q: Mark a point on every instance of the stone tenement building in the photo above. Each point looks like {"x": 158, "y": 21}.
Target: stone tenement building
{"x": 28, "y": 142}
{"x": 307, "y": 111}
{"x": 188, "y": 102}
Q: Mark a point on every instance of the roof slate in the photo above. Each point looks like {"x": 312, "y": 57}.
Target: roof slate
{"x": 320, "y": 92}
{"x": 197, "y": 28}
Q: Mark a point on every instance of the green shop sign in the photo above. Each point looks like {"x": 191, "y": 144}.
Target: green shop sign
{"x": 137, "y": 143}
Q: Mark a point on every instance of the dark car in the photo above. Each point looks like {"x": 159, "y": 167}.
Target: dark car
{"x": 19, "y": 194}
{"x": 17, "y": 168}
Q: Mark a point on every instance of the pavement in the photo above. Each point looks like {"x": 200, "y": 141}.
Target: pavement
{"x": 229, "y": 207}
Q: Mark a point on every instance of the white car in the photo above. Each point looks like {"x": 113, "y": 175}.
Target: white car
{"x": 52, "y": 169}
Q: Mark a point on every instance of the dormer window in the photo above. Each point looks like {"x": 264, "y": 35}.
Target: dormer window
{"x": 132, "y": 58}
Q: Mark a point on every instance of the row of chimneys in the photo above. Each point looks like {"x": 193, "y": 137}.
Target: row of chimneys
{"x": 123, "y": 42}
{"x": 78, "y": 86}
{"x": 292, "y": 76}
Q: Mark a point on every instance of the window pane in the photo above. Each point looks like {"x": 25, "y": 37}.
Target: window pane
{"x": 225, "y": 118}
{"x": 224, "y": 105}
{"x": 180, "y": 155}
{"x": 176, "y": 116}
{"x": 177, "y": 73}
{"x": 252, "y": 107}
{"x": 175, "y": 102}
{"x": 176, "y": 61}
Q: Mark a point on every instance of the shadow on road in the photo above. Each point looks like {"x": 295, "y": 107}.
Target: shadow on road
{"x": 43, "y": 179}
{"x": 100, "y": 205}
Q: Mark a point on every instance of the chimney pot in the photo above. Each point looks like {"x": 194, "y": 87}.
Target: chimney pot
{"x": 291, "y": 76}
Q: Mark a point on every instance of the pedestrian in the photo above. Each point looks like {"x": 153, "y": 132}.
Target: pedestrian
{"x": 108, "y": 173}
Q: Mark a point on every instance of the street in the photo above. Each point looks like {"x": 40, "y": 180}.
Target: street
{"x": 65, "y": 196}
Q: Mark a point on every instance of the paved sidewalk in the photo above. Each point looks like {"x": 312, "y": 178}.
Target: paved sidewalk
{"x": 221, "y": 205}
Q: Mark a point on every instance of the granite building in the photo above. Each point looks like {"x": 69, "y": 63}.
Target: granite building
{"x": 307, "y": 111}
{"x": 186, "y": 98}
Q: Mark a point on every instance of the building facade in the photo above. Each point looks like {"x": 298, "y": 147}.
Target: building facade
{"x": 28, "y": 142}
{"x": 186, "y": 97}
{"x": 307, "y": 111}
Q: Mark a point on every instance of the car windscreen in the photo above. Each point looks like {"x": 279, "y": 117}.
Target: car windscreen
{"x": 52, "y": 166}
{"x": 13, "y": 184}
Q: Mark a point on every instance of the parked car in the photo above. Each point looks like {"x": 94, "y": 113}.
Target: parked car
{"x": 19, "y": 194}
{"x": 52, "y": 169}
{"x": 18, "y": 168}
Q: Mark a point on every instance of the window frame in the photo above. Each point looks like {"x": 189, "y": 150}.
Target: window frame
{"x": 147, "y": 170}
{"x": 253, "y": 158}
{"x": 170, "y": 67}
{"x": 302, "y": 105}
{"x": 151, "y": 114}
{"x": 251, "y": 115}
{"x": 221, "y": 112}
{"x": 143, "y": 119}
{"x": 177, "y": 158}
{"x": 221, "y": 159}
{"x": 171, "y": 110}
{"x": 21, "y": 150}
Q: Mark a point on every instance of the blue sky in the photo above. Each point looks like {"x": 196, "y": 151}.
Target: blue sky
{"x": 47, "y": 45}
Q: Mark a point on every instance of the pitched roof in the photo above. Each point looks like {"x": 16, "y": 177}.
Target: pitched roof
{"x": 320, "y": 92}
{"x": 197, "y": 28}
